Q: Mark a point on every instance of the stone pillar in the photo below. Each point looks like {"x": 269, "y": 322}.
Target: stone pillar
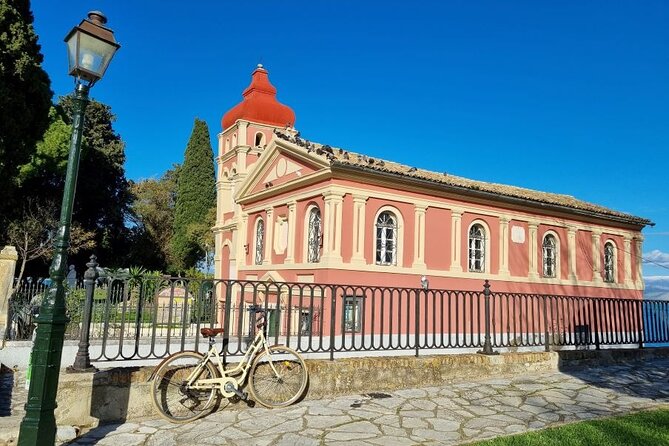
{"x": 533, "y": 229}
{"x": 571, "y": 248}
{"x": 503, "y": 246}
{"x": 627, "y": 264}
{"x": 332, "y": 225}
{"x": 269, "y": 236}
{"x": 359, "y": 230}
{"x": 596, "y": 256}
{"x": 456, "y": 239}
{"x": 419, "y": 237}
{"x": 8, "y": 258}
{"x": 292, "y": 226}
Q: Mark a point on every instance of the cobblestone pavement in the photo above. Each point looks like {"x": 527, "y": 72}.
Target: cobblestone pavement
{"x": 445, "y": 415}
{"x": 448, "y": 414}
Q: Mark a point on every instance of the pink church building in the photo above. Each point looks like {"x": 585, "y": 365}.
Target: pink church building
{"x": 292, "y": 210}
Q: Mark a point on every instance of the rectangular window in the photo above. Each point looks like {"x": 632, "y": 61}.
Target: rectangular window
{"x": 353, "y": 313}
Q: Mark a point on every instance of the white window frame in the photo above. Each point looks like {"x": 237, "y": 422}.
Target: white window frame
{"x": 556, "y": 254}
{"x": 485, "y": 263}
{"x": 396, "y": 254}
{"x": 259, "y": 242}
{"x": 307, "y": 231}
{"x": 609, "y": 269}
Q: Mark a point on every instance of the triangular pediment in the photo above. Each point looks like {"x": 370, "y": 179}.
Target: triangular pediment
{"x": 281, "y": 165}
{"x": 283, "y": 169}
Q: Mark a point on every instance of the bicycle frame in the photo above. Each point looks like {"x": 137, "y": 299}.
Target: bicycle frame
{"x": 193, "y": 381}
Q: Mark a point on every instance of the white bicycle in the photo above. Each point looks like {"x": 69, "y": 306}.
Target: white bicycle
{"x": 186, "y": 385}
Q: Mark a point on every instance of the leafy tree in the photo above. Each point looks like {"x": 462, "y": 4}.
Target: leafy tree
{"x": 196, "y": 195}
{"x": 25, "y": 93}
{"x": 102, "y": 201}
{"x": 49, "y": 160}
{"x": 153, "y": 217}
{"x": 34, "y": 233}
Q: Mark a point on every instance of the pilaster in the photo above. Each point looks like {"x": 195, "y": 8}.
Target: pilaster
{"x": 571, "y": 252}
{"x": 533, "y": 227}
{"x": 332, "y": 225}
{"x": 242, "y": 128}
{"x": 456, "y": 240}
{"x": 638, "y": 245}
{"x": 627, "y": 263}
{"x": 596, "y": 256}
{"x": 504, "y": 246}
{"x": 243, "y": 239}
{"x": 359, "y": 230}
{"x": 292, "y": 226}
{"x": 419, "y": 237}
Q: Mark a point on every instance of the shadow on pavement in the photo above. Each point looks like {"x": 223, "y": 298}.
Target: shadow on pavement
{"x": 642, "y": 377}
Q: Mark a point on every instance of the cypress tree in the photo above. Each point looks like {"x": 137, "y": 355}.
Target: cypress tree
{"x": 25, "y": 94}
{"x": 196, "y": 195}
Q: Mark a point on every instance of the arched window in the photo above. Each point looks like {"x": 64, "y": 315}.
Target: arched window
{"x": 386, "y": 239}
{"x": 260, "y": 241}
{"x": 609, "y": 262}
{"x": 314, "y": 236}
{"x": 549, "y": 248}
{"x": 477, "y": 248}
{"x": 260, "y": 139}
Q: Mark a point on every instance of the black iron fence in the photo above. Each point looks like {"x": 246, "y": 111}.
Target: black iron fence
{"x": 148, "y": 318}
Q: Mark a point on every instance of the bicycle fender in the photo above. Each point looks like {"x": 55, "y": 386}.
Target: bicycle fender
{"x": 160, "y": 364}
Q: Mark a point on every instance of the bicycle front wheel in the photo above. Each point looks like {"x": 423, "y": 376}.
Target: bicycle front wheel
{"x": 171, "y": 395}
{"x": 278, "y": 377}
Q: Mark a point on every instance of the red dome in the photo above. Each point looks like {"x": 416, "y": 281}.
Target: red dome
{"x": 260, "y": 104}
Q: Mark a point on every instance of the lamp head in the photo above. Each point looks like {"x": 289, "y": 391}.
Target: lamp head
{"x": 90, "y": 48}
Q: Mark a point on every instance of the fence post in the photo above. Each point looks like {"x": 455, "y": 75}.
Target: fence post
{"x": 487, "y": 345}
{"x": 333, "y": 311}
{"x": 82, "y": 361}
{"x": 417, "y": 324}
{"x": 547, "y": 341}
{"x": 225, "y": 342}
{"x": 640, "y": 323}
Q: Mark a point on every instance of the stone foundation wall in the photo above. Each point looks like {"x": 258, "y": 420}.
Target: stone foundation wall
{"x": 87, "y": 399}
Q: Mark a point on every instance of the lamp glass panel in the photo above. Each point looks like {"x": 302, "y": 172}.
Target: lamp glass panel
{"x": 94, "y": 54}
{"x": 72, "y": 51}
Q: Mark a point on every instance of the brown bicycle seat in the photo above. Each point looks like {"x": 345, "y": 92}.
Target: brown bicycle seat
{"x": 211, "y": 332}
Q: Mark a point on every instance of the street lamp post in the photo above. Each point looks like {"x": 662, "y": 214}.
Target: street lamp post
{"x": 91, "y": 47}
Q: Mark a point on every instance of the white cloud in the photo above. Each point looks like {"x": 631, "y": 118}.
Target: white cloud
{"x": 657, "y": 287}
{"x": 656, "y": 257}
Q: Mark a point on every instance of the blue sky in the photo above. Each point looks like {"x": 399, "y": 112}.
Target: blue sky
{"x": 567, "y": 97}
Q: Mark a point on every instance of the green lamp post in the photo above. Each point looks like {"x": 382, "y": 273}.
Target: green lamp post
{"x": 90, "y": 47}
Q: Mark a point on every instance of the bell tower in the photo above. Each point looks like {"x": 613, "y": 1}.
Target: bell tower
{"x": 246, "y": 129}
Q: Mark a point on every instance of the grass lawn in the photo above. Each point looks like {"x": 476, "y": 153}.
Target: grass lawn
{"x": 643, "y": 429}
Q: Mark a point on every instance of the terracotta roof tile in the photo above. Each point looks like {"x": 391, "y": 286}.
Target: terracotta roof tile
{"x": 342, "y": 158}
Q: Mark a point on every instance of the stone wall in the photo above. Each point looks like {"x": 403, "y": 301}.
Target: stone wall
{"x": 118, "y": 394}
{"x": 8, "y": 258}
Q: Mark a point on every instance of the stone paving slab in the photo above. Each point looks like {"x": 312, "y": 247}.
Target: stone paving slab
{"x": 453, "y": 413}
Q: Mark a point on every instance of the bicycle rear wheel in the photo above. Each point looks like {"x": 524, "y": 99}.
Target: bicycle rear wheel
{"x": 173, "y": 398}
{"x": 283, "y": 387}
